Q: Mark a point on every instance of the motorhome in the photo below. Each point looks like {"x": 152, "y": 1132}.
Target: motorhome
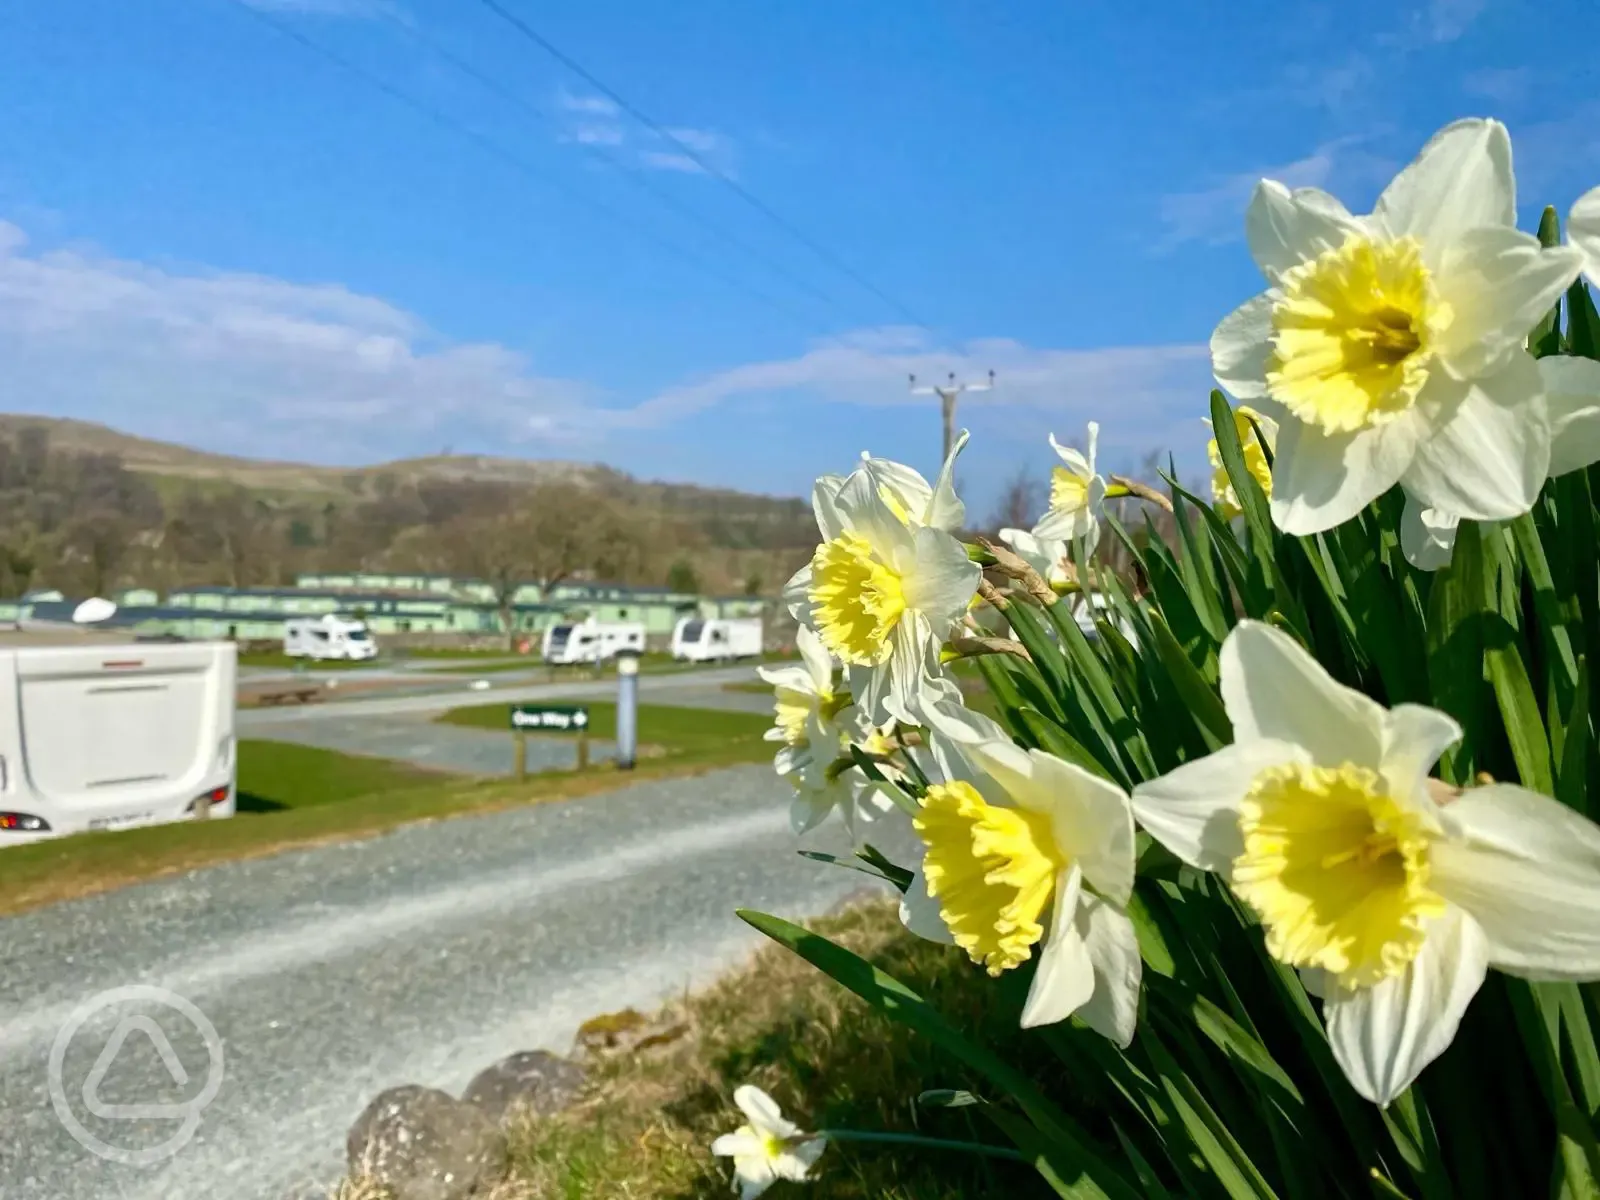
{"x": 328, "y": 637}
{"x": 591, "y": 641}
{"x": 702, "y": 639}
{"x": 101, "y": 731}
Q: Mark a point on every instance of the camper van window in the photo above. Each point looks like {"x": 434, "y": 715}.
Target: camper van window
{"x": 320, "y": 635}
{"x": 357, "y": 635}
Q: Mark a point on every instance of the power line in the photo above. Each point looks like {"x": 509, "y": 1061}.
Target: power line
{"x": 490, "y": 146}
{"x": 700, "y": 161}
{"x": 633, "y": 177}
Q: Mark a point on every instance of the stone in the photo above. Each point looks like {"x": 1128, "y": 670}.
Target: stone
{"x": 535, "y": 1081}
{"x": 424, "y": 1144}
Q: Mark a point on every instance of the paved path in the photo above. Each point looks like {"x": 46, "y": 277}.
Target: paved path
{"x": 335, "y": 972}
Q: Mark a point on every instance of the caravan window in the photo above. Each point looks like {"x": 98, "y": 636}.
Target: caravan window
{"x": 719, "y": 635}
{"x": 586, "y": 640}
{"x": 559, "y": 635}
{"x": 320, "y": 635}
{"x": 691, "y": 631}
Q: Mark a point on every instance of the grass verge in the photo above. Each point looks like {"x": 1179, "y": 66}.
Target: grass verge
{"x": 300, "y": 796}
{"x": 645, "y": 1124}
{"x": 283, "y": 662}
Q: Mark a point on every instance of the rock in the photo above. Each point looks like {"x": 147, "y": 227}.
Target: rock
{"x": 424, "y": 1144}
{"x": 626, "y": 1032}
{"x": 535, "y": 1080}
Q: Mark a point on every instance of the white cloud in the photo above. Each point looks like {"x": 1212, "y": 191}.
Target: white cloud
{"x": 595, "y": 106}
{"x": 870, "y": 368}
{"x": 253, "y": 365}
{"x": 1503, "y": 85}
{"x": 662, "y": 160}
{"x": 249, "y": 363}
{"x": 1447, "y": 20}
{"x": 597, "y": 135}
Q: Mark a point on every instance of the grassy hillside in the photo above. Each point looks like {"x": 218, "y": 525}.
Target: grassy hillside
{"x": 183, "y": 515}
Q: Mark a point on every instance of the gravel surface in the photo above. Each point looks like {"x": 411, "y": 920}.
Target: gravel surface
{"x": 332, "y": 973}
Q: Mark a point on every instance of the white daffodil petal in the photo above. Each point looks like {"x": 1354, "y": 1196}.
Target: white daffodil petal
{"x": 1091, "y": 818}
{"x": 1528, "y": 870}
{"x": 797, "y": 595}
{"x": 1272, "y": 688}
{"x": 818, "y": 662}
{"x": 795, "y": 1163}
{"x": 866, "y": 513}
{"x": 763, "y": 1111}
{"x": 1284, "y": 229}
{"x": 1320, "y": 480}
{"x": 945, "y": 510}
{"x": 1427, "y": 536}
{"x": 1384, "y": 1035}
{"x": 1489, "y": 457}
{"x": 901, "y": 486}
{"x": 794, "y": 679}
{"x": 1194, "y": 810}
{"x": 944, "y": 581}
{"x": 1241, "y": 345}
{"x": 1499, "y": 283}
{"x": 1112, "y": 1010}
{"x": 1065, "y": 978}
{"x": 738, "y": 1145}
{"x": 1583, "y": 228}
{"x": 824, "y": 506}
{"x": 1413, "y": 739}
{"x": 754, "y": 1176}
{"x": 1461, "y": 180}
{"x": 919, "y": 912}
{"x": 1572, "y": 398}
{"x": 810, "y": 808}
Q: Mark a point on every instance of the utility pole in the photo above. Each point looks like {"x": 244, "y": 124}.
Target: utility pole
{"x": 947, "y": 394}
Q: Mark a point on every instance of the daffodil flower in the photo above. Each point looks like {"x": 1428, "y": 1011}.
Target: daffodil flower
{"x": 1390, "y": 348}
{"x": 1047, "y": 556}
{"x": 768, "y": 1148}
{"x": 885, "y": 587}
{"x": 1392, "y": 905}
{"x": 1023, "y": 849}
{"x": 800, "y": 694}
{"x": 1077, "y": 494}
{"x": 1245, "y": 421}
{"x": 1572, "y": 398}
{"x": 1583, "y": 231}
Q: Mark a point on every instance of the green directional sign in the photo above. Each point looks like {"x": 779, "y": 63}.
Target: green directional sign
{"x": 555, "y": 718}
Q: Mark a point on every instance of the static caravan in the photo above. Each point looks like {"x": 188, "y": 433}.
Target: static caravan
{"x": 591, "y": 641}
{"x": 700, "y": 639}
{"x": 100, "y": 731}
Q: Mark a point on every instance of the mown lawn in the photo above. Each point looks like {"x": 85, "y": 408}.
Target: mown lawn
{"x": 274, "y": 776}
{"x": 678, "y": 731}
{"x": 645, "y": 1124}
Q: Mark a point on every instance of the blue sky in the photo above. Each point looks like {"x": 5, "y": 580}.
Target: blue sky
{"x": 213, "y": 234}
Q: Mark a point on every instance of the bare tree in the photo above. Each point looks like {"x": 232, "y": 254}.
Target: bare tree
{"x": 1021, "y": 503}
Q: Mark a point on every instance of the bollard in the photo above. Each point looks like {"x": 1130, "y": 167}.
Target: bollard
{"x": 583, "y": 749}
{"x": 627, "y": 708}
{"x": 520, "y": 755}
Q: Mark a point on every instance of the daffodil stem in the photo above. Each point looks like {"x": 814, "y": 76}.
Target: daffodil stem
{"x": 911, "y": 1139}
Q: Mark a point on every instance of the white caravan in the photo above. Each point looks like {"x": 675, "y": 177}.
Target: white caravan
{"x": 328, "y": 637}
{"x": 98, "y": 731}
{"x": 591, "y": 641}
{"x": 699, "y": 639}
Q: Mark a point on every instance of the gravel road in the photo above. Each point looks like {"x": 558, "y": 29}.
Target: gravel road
{"x": 332, "y": 973}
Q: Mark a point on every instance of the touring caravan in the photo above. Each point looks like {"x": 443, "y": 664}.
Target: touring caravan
{"x": 328, "y": 637}
{"x": 100, "y": 731}
{"x": 699, "y": 639}
{"x": 591, "y": 641}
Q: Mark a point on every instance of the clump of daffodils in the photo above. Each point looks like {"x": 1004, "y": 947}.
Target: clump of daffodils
{"x": 1138, "y": 800}
{"x": 766, "y": 1148}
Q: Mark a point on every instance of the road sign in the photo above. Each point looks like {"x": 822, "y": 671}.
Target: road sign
{"x": 558, "y": 718}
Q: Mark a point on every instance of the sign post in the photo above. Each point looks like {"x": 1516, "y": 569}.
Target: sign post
{"x": 627, "y": 708}
{"x": 552, "y": 718}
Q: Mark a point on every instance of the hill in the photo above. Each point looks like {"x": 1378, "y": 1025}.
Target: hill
{"x": 197, "y": 516}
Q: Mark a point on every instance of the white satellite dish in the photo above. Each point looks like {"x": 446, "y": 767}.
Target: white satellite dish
{"x": 92, "y": 611}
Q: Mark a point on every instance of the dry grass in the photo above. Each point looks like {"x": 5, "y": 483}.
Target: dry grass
{"x": 646, "y": 1123}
